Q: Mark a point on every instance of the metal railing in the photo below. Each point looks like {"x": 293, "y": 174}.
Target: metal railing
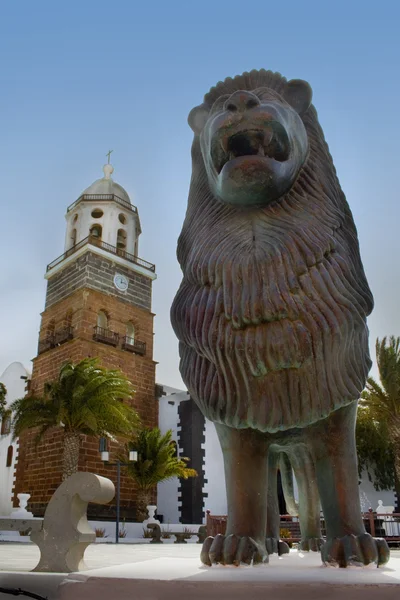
{"x": 63, "y": 335}
{"x": 103, "y": 198}
{"x": 132, "y": 345}
{"x": 46, "y": 344}
{"x": 95, "y": 241}
{"x": 215, "y": 524}
{"x": 106, "y": 336}
{"x": 55, "y": 339}
{"x": 385, "y": 526}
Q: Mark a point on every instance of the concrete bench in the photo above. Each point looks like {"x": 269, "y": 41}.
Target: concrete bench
{"x": 29, "y": 525}
{"x": 181, "y": 536}
{"x": 64, "y": 533}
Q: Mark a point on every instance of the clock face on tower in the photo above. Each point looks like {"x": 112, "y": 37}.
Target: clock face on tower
{"x": 121, "y": 282}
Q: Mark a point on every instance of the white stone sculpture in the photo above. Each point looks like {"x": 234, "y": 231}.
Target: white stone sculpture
{"x": 151, "y": 509}
{"x": 385, "y": 512}
{"x": 21, "y": 512}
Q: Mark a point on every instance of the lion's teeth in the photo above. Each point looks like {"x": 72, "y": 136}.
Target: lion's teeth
{"x": 268, "y": 136}
{"x": 231, "y": 156}
{"x": 261, "y": 151}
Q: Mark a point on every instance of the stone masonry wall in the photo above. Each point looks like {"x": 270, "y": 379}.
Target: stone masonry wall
{"x": 81, "y": 308}
{"x": 96, "y": 272}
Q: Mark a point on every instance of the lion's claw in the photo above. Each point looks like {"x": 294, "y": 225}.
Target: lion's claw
{"x": 275, "y": 546}
{"x": 383, "y": 551}
{"x": 205, "y": 551}
{"x": 352, "y": 550}
{"x": 311, "y": 544}
{"x": 232, "y": 550}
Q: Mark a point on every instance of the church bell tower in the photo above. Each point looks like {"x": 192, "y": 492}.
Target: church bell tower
{"x": 98, "y": 304}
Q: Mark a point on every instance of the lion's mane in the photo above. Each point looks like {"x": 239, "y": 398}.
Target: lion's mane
{"x": 271, "y": 312}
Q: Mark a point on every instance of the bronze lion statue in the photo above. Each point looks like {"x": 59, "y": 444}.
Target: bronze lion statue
{"x": 271, "y": 312}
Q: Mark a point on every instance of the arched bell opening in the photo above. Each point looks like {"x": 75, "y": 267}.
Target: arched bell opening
{"x": 95, "y": 233}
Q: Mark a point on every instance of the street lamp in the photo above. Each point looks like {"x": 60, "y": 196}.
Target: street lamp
{"x": 105, "y": 457}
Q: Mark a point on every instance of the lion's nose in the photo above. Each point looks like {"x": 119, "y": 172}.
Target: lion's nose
{"x": 241, "y": 101}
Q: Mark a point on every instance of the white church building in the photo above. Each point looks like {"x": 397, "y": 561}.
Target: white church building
{"x": 14, "y": 378}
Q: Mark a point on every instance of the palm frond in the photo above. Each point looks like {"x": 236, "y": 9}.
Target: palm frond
{"x": 378, "y": 421}
{"x": 383, "y": 398}
{"x": 3, "y": 401}
{"x": 85, "y": 397}
{"x": 157, "y": 460}
{"x": 388, "y": 360}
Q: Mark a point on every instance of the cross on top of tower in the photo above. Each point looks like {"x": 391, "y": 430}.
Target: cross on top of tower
{"x": 108, "y": 168}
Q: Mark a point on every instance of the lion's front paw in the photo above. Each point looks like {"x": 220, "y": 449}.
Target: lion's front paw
{"x": 352, "y": 550}
{"x": 275, "y": 546}
{"x": 232, "y": 550}
{"x": 311, "y": 544}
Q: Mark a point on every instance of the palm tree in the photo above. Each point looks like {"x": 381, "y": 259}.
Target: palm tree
{"x": 3, "y": 401}
{"x": 383, "y": 400}
{"x": 157, "y": 462}
{"x": 374, "y": 450}
{"x": 85, "y": 399}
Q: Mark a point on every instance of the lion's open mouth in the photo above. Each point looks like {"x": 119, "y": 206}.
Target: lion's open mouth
{"x": 271, "y": 142}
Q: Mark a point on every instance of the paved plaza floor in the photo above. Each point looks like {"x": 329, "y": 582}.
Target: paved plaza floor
{"x": 150, "y": 572}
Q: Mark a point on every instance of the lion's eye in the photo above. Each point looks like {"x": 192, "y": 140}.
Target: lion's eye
{"x": 264, "y": 94}
{"x": 219, "y": 103}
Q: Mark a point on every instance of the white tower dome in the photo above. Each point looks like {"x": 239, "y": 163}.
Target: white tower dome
{"x": 106, "y": 185}
{"x": 104, "y": 214}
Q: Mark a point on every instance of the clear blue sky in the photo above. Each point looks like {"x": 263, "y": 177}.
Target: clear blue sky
{"x": 79, "y": 78}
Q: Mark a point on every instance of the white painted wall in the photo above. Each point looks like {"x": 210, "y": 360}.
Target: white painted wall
{"x": 15, "y": 389}
{"x": 135, "y": 530}
{"x": 109, "y": 222}
{"x": 167, "y": 491}
{"x": 214, "y": 472}
{"x": 370, "y": 496}
{"x": 134, "y": 533}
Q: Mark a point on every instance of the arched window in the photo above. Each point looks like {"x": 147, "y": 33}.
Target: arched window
{"x": 130, "y": 333}
{"x": 73, "y": 238}
{"x": 95, "y": 232}
{"x": 6, "y": 423}
{"x": 136, "y": 251}
{"x": 10, "y": 452}
{"x": 102, "y": 319}
{"x": 121, "y": 239}
{"x": 68, "y": 318}
{"x": 51, "y": 327}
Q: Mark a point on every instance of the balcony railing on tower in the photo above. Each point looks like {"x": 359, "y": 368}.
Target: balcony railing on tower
{"x": 103, "y": 198}
{"x": 132, "y": 345}
{"x": 46, "y": 343}
{"x": 106, "y": 336}
{"x": 95, "y": 241}
{"x": 63, "y": 335}
{"x": 60, "y": 336}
